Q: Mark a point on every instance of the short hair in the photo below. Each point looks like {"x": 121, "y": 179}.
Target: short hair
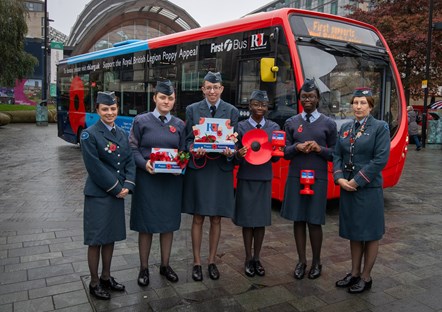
{"x": 369, "y": 98}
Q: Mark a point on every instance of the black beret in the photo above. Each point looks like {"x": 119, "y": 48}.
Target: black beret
{"x": 362, "y": 92}
{"x": 106, "y": 98}
{"x": 165, "y": 87}
{"x": 213, "y": 77}
{"x": 259, "y": 95}
{"x": 309, "y": 85}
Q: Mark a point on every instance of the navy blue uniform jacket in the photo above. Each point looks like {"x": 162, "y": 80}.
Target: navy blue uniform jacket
{"x": 370, "y": 155}
{"x": 108, "y": 160}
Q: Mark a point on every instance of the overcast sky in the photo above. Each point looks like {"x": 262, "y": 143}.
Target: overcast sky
{"x": 65, "y": 12}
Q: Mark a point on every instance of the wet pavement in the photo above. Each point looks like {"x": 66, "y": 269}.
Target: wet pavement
{"x": 43, "y": 263}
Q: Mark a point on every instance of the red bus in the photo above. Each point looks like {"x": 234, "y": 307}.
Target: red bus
{"x": 273, "y": 51}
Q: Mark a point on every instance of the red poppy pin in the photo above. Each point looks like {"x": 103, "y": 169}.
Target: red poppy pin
{"x": 110, "y": 147}
{"x": 300, "y": 128}
{"x": 345, "y": 134}
{"x": 172, "y": 129}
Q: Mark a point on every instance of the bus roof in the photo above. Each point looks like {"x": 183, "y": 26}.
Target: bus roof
{"x": 248, "y": 22}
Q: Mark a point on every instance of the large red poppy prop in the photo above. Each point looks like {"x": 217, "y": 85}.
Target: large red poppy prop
{"x": 259, "y": 149}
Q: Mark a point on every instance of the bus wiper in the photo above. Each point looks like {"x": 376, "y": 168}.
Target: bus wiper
{"x": 322, "y": 43}
{"x": 355, "y": 47}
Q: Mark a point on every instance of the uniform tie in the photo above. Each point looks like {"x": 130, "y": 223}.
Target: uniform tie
{"x": 307, "y": 117}
{"x": 114, "y": 131}
{"x": 162, "y": 118}
{"x": 258, "y": 126}
{"x": 213, "y": 110}
{"x": 357, "y": 124}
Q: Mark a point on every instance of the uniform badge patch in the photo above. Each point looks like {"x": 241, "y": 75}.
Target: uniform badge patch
{"x": 84, "y": 135}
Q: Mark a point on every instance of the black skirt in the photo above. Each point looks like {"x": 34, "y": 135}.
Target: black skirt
{"x": 253, "y": 203}
{"x": 306, "y": 208}
{"x": 208, "y": 191}
{"x": 103, "y": 220}
{"x": 156, "y": 203}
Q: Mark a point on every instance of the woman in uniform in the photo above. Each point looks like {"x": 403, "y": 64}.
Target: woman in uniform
{"x": 111, "y": 176}
{"x": 311, "y": 137}
{"x": 156, "y": 204}
{"x": 253, "y": 200}
{"x": 361, "y": 153}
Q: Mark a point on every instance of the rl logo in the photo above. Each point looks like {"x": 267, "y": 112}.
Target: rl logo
{"x": 212, "y": 127}
{"x": 257, "y": 41}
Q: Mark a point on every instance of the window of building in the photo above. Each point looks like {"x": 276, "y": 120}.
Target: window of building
{"x": 34, "y": 7}
{"x": 297, "y": 4}
{"x": 308, "y": 4}
{"x": 334, "y": 7}
{"x": 320, "y": 6}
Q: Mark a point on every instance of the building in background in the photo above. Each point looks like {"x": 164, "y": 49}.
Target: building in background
{"x": 336, "y": 7}
{"x": 101, "y": 25}
{"x": 28, "y": 91}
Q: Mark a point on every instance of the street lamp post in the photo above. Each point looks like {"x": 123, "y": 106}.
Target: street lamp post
{"x": 41, "y": 113}
{"x": 427, "y": 74}
{"x": 45, "y": 53}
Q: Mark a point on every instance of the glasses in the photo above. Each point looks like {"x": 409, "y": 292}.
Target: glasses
{"x": 214, "y": 88}
{"x": 259, "y": 104}
{"x": 309, "y": 98}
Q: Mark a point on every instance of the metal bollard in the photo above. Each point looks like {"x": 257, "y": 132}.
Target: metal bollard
{"x": 41, "y": 113}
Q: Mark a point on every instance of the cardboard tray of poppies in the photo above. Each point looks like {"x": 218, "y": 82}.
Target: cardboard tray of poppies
{"x": 168, "y": 160}
{"x": 214, "y": 135}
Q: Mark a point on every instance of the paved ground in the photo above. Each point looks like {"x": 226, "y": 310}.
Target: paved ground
{"x": 43, "y": 260}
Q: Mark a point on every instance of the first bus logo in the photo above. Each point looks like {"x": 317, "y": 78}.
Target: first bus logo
{"x": 258, "y": 41}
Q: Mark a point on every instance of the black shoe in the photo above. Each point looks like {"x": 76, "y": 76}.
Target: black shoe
{"x": 99, "y": 292}
{"x": 143, "y": 277}
{"x": 418, "y": 148}
{"x": 249, "y": 268}
{"x": 347, "y": 281}
{"x": 169, "y": 274}
{"x": 360, "y": 286}
{"x": 197, "y": 273}
{"x": 111, "y": 283}
{"x": 213, "y": 271}
{"x": 300, "y": 270}
{"x": 259, "y": 269}
{"x": 315, "y": 271}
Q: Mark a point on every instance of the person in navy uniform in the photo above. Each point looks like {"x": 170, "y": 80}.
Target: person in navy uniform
{"x": 253, "y": 197}
{"x": 111, "y": 177}
{"x": 361, "y": 153}
{"x": 208, "y": 182}
{"x": 310, "y": 140}
{"x": 156, "y": 204}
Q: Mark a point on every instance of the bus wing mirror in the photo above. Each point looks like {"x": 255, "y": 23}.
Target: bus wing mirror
{"x": 268, "y": 69}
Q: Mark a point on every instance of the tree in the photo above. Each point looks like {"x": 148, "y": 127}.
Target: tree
{"x": 404, "y": 25}
{"x": 15, "y": 62}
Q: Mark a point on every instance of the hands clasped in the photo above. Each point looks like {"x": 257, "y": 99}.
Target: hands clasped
{"x": 349, "y": 186}
{"x": 308, "y": 147}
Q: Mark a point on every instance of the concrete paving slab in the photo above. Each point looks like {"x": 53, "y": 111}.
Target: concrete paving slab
{"x": 43, "y": 263}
